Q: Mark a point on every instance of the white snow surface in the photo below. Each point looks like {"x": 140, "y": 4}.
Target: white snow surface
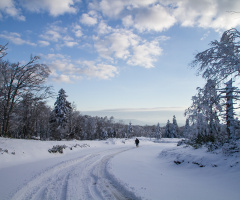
{"x": 116, "y": 169}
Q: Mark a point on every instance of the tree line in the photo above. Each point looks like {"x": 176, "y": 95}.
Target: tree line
{"x": 24, "y": 112}
{"x": 211, "y": 118}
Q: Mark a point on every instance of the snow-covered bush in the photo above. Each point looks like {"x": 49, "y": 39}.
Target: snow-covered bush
{"x": 231, "y": 147}
{"x": 57, "y": 149}
{"x": 182, "y": 142}
{"x": 3, "y": 150}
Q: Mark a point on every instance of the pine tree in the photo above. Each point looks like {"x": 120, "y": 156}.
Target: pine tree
{"x": 204, "y": 112}
{"x": 187, "y": 129}
{"x": 168, "y": 130}
{"x": 158, "y": 132}
{"x": 60, "y": 115}
{"x": 174, "y": 129}
{"x": 129, "y": 130}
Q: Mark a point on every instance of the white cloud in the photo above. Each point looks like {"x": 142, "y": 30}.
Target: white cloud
{"x": 15, "y": 38}
{"x": 60, "y": 35}
{"x": 145, "y": 54}
{"x": 112, "y": 8}
{"x": 144, "y": 3}
{"x": 78, "y": 33}
{"x": 77, "y": 30}
{"x": 207, "y": 13}
{"x": 127, "y": 21}
{"x": 117, "y": 44}
{"x": 53, "y": 32}
{"x": 54, "y": 7}
{"x": 70, "y": 43}
{"x": 120, "y": 43}
{"x": 100, "y": 70}
{"x": 62, "y": 78}
{"x": 103, "y": 28}
{"x": 125, "y": 45}
{"x": 160, "y": 15}
{"x": 88, "y": 20}
{"x": 102, "y": 47}
{"x": 43, "y": 43}
{"x": 8, "y": 8}
{"x": 66, "y": 70}
{"x": 156, "y": 18}
{"x": 51, "y": 35}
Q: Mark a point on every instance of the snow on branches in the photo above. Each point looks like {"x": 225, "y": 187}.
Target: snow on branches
{"x": 222, "y": 59}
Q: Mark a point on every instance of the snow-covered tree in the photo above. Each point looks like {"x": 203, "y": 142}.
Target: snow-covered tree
{"x": 187, "y": 129}
{"x": 218, "y": 63}
{"x": 129, "y": 130}
{"x": 167, "y": 133}
{"x": 231, "y": 94}
{"x": 91, "y": 128}
{"x": 60, "y": 115}
{"x": 205, "y": 111}
{"x": 158, "y": 133}
{"x": 222, "y": 60}
{"x": 174, "y": 129}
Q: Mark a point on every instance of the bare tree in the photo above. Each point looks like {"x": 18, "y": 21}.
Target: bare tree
{"x": 16, "y": 80}
{"x": 3, "y": 51}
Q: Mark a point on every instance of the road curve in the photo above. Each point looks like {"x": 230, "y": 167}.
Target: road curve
{"x": 82, "y": 178}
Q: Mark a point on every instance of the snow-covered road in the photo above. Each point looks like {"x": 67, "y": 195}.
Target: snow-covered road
{"x": 80, "y": 177}
{"x": 115, "y": 169}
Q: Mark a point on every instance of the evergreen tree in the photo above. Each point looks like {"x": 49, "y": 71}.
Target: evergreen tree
{"x": 168, "y": 130}
{"x": 187, "y": 129}
{"x": 158, "y": 132}
{"x": 174, "y": 129}
{"x": 129, "y": 130}
{"x": 204, "y": 112}
{"x": 60, "y": 115}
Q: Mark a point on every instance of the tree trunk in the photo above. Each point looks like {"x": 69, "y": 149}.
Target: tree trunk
{"x": 230, "y": 114}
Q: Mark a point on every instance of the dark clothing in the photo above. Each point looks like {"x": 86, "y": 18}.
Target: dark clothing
{"x": 136, "y": 142}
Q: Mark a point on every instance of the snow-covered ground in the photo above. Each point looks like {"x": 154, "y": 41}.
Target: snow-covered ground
{"x": 115, "y": 169}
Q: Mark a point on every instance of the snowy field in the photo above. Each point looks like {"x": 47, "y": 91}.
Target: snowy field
{"x": 115, "y": 169}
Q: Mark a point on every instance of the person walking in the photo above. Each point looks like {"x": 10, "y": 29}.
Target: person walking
{"x": 137, "y": 142}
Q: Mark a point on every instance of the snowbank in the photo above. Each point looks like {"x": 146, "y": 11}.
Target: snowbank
{"x": 18, "y": 151}
{"x": 165, "y": 171}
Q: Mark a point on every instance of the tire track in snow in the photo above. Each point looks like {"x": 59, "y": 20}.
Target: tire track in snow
{"x": 83, "y": 178}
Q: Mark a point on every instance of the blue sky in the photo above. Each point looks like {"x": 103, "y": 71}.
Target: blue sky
{"x": 126, "y": 58}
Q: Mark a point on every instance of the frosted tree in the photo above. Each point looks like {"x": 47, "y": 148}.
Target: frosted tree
{"x": 221, "y": 60}
{"x": 187, "y": 129}
{"x": 129, "y": 130}
{"x": 205, "y": 110}
{"x": 168, "y": 130}
{"x": 60, "y": 115}
{"x": 91, "y": 128}
{"x": 231, "y": 95}
{"x": 158, "y": 133}
{"x": 174, "y": 128}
